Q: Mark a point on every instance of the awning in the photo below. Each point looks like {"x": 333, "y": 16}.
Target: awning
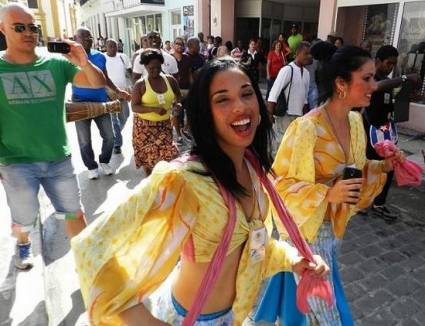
{"x": 134, "y": 11}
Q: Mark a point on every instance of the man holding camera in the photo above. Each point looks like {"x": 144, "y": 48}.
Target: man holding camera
{"x": 34, "y": 149}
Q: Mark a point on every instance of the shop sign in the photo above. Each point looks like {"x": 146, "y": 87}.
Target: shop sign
{"x": 153, "y": 2}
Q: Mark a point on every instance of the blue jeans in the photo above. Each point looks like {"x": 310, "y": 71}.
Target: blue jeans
{"x": 270, "y": 83}
{"x": 118, "y": 121}
{"x": 22, "y": 182}
{"x": 104, "y": 125}
{"x": 313, "y": 96}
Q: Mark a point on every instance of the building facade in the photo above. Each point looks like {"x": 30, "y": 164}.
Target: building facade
{"x": 128, "y": 20}
{"x": 56, "y": 18}
{"x": 269, "y": 18}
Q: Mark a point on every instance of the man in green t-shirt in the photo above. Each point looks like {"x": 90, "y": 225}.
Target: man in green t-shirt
{"x": 34, "y": 149}
{"x": 293, "y": 41}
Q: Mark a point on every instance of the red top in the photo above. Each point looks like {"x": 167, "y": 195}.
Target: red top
{"x": 276, "y": 61}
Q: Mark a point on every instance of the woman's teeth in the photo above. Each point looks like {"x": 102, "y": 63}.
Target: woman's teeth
{"x": 241, "y": 122}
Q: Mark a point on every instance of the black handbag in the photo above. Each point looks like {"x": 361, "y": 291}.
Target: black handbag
{"x": 282, "y": 102}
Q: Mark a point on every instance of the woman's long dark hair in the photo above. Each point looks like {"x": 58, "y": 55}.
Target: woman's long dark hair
{"x": 202, "y": 126}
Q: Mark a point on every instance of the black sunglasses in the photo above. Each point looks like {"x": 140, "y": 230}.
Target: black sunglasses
{"x": 20, "y": 28}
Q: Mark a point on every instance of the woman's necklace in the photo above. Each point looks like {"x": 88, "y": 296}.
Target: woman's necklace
{"x": 337, "y": 136}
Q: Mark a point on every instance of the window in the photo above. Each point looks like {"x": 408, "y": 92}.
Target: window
{"x": 380, "y": 25}
{"x": 176, "y": 18}
{"x": 411, "y": 43}
{"x": 143, "y": 24}
{"x": 150, "y": 24}
{"x": 33, "y": 4}
{"x": 158, "y": 23}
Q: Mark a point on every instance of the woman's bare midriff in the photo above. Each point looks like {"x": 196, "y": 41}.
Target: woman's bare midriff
{"x": 222, "y": 294}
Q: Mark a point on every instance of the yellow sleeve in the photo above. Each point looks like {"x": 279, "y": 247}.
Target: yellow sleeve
{"x": 123, "y": 257}
{"x": 375, "y": 178}
{"x": 280, "y": 257}
{"x": 294, "y": 167}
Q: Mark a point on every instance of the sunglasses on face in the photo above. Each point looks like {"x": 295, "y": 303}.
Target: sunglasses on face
{"x": 20, "y": 28}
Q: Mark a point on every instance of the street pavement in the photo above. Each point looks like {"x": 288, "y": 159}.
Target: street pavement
{"x": 383, "y": 265}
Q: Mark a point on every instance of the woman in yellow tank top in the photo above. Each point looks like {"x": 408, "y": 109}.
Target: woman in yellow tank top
{"x": 153, "y": 100}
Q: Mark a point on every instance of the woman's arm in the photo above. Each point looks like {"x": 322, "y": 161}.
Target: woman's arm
{"x": 138, "y": 316}
{"x": 268, "y": 68}
{"x": 175, "y": 87}
{"x": 294, "y": 166}
{"x": 148, "y": 228}
{"x": 136, "y": 100}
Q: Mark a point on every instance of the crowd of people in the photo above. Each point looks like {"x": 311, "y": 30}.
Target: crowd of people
{"x": 197, "y": 238}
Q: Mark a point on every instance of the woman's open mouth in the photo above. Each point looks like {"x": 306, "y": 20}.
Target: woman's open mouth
{"x": 242, "y": 126}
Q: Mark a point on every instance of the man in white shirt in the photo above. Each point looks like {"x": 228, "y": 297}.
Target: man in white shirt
{"x": 168, "y": 67}
{"x": 296, "y": 90}
{"x": 117, "y": 65}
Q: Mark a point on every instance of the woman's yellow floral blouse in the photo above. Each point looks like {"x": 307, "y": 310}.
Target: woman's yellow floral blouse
{"x": 123, "y": 257}
{"x": 310, "y": 160}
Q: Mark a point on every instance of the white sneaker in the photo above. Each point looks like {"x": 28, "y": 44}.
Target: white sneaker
{"x": 107, "y": 168}
{"x": 93, "y": 174}
{"x": 23, "y": 256}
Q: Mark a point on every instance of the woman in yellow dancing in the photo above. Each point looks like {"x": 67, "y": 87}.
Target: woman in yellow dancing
{"x": 182, "y": 211}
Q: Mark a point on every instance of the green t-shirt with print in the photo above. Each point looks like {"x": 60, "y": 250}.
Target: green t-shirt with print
{"x": 294, "y": 40}
{"x": 32, "y": 110}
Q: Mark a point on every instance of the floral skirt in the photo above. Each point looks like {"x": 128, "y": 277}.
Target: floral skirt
{"x": 152, "y": 142}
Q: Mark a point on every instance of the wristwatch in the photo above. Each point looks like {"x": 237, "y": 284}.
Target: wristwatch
{"x": 403, "y": 78}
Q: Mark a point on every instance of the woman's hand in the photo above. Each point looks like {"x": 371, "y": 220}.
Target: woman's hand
{"x": 140, "y": 315}
{"x": 389, "y": 162}
{"x": 77, "y": 55}
{"x": 160, "y": 110}
{"x": 345, "y": 191}
{"x": 320, "y": 268}
{"x": 123, "y": 95}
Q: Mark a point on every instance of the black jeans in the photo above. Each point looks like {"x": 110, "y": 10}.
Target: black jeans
{"x": 382, "y": 197}
{"x": 372, "y": 155}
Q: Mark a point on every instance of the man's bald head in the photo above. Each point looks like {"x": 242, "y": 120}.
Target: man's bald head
{"x": 84, "y": 37}
{"x": 17, "y": 24}
{"x": 13, "y": 9}
{"x": 82, "y": 30}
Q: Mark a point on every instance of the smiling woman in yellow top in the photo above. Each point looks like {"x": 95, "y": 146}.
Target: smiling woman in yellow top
{"x": 153, "y": 99}
{"x": 310, "y": 164}
{"x": 178, "y": 212}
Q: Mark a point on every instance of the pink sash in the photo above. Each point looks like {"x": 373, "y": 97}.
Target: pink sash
{"x": 309, "y": 284}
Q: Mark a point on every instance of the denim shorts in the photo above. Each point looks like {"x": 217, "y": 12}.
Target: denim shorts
{"x": 22, "y": 182}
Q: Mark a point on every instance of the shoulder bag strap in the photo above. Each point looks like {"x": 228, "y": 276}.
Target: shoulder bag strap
{"x": 290, "y": 84}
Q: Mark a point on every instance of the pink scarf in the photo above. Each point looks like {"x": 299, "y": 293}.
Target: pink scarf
{"x": 407, "y": 173}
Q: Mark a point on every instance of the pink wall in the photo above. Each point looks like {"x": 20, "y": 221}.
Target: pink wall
{"x": 227, "y": 20}
{"x": 203, "y": 17}
{"x": 223, "y": 19}
{"x": 350, "y": 23}
{"x": 326, "y": 18}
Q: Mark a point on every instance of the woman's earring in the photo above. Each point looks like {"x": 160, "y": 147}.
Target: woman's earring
{"x": 259, "y": 119}
{"x": 342, "y": 95}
